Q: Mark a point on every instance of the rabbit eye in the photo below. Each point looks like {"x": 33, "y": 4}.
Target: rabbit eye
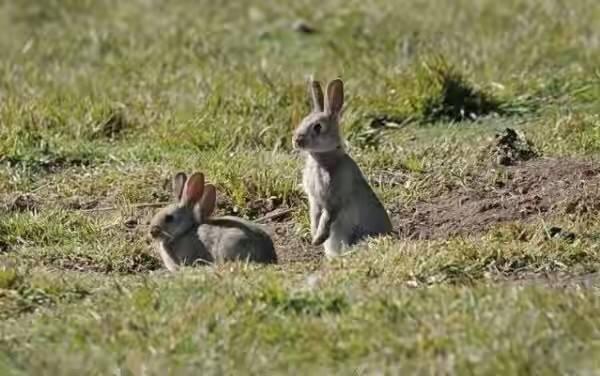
{"x": 169, "y": 218}
{"x": 317, "y": 128}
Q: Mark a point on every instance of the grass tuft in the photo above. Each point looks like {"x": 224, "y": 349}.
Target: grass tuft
{"x": 444, "y": 94}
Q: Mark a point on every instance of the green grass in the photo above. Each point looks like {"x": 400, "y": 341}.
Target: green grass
{"x": 101, "y": 102}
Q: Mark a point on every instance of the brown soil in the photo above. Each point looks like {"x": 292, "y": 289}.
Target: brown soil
{"x": 289, "y": 245}
{"x": 536, "y": 188}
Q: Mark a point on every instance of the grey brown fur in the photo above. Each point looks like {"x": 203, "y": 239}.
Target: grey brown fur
{"x": 186, "y": 233}
{"x": 343, "y": 207}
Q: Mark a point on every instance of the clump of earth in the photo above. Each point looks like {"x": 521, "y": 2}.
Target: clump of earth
{"x": 511, "y": 147}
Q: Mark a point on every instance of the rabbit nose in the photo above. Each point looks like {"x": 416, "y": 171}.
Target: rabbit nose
{"x": 299, "y": 141}
{"x": 155, "y": 231}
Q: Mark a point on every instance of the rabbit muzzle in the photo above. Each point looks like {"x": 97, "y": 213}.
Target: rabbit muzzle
{"x": 299, "y": 141}
{"x": 155, "y": 232}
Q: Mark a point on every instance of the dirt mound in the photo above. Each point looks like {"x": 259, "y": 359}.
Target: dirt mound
{"x": 510, "y": 147}
{"x": 535, "y": 188}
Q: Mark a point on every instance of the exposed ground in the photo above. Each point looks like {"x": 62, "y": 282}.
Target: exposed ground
{"x": 526, "y": 192}
{"x": 476, "y": 122}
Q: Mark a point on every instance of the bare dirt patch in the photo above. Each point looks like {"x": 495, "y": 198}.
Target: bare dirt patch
{"x": 531, "y": 189}
{"x": 289, "y": 245}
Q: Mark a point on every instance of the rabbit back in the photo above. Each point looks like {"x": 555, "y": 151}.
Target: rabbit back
{"x": 232, "y": 238}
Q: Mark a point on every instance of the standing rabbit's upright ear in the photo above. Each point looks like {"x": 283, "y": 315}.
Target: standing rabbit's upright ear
{"x": 335, "y": 98}
{"x": 316, "y": 94}
{"x": 194, "y": 187}
{"x": 178, "y": 184}
{"x": 207, "y": 204}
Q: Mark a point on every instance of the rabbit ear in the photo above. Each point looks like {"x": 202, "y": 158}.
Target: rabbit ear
{"x": 178, "y": 184}
{"x": 194, "y": 187}
{"x": 335, "y": 97}
{"x": 316, "y": 94}
{"x": 208, "y": 201}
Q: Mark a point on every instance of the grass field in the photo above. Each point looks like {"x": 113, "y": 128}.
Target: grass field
{"x": 495, "y": 267}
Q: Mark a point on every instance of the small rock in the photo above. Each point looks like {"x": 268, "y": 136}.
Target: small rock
{"x": 131, "y": 223}
{"x": 273, "y": 203}
{"x": 377, "y": 122}
{"x": 555, "y": 232}
{"x": 302, "y": 27}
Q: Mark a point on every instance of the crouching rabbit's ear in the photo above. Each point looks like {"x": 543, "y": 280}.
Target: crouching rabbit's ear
{"x": 178, "y": 184}
{"x": 206, "y": 206}
{"x": 316, "y": 95}
{"x": 193, "y": 190}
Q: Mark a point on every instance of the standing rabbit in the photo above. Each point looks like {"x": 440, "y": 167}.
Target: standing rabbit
{"x": 186, "y": 232}
{"x": 343, "y": 207}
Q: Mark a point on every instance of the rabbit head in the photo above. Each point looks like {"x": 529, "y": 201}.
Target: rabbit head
{"x": 319, "y": 131}
{"x": 196, "y": 202}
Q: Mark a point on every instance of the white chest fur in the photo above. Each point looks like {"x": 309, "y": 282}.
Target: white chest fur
{"x": 166, "y": 257}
